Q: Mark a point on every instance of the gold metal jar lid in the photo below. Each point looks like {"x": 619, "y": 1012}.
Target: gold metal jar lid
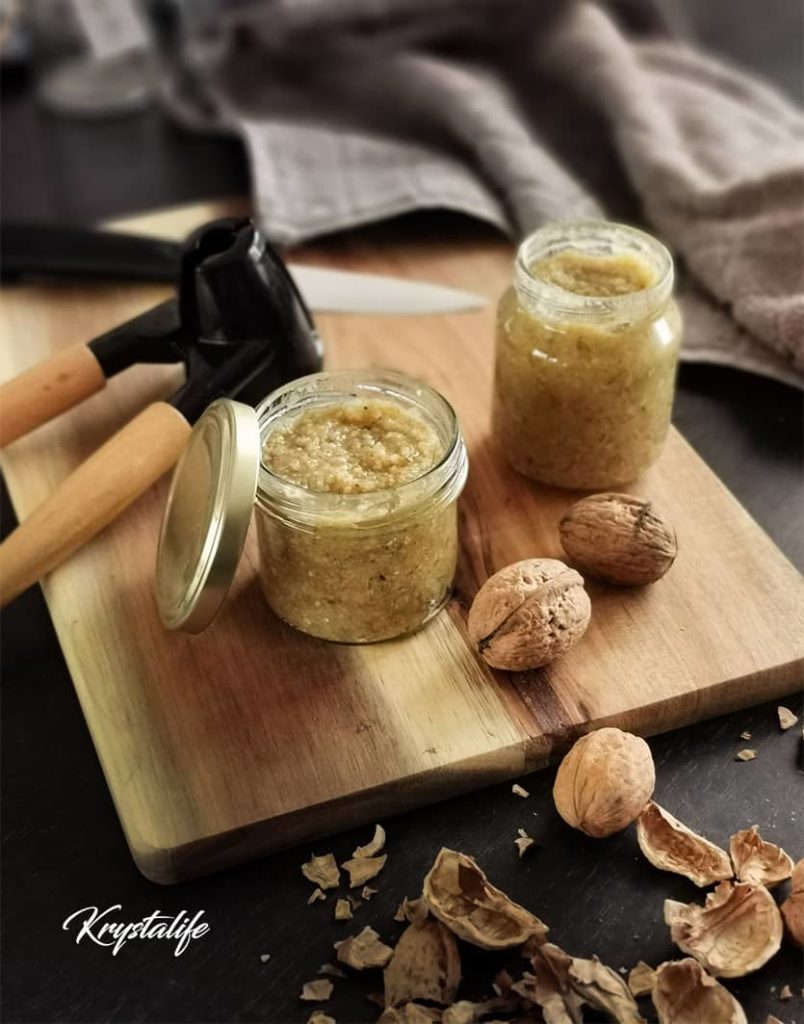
{"x": 207, "y": 516}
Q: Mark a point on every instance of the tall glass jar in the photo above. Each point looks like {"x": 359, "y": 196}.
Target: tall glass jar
{"x": 587, "y": 348}
{"x": 360, "y": 567}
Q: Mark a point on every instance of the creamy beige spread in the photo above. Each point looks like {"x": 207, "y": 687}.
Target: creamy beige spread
{"x": 375, "y": 570}
{"x": 354, "y": 447}
{"x": 584, "y": 404}
{"x": 586, "y": 273}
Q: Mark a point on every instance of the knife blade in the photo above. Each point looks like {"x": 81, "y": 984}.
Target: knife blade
{"x": 42, "y": 250}
{"x": 346, "y": 291}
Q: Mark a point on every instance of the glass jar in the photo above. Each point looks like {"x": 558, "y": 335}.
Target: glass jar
{"x": 584, "y": 383}
{"x": 360, "y": 567}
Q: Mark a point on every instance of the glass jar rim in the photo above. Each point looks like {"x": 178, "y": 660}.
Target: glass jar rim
{"x": 610, "y": 237}
{"x": 442, "y": 482}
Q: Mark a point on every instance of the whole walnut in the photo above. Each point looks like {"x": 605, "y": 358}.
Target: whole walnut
{"x": 619, "y": 538}
{"x": 604, "y": 782}
{"x": 529, "y": 613}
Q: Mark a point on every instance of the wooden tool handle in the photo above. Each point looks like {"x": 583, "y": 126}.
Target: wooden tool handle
{"x": 51, "y": 388}
{"x": 91, "y": 497}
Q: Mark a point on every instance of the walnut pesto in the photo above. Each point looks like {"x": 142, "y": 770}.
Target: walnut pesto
{"x": 590, "y": 274}
{"x": 357, "y": 522}
{"x": 587, "y": 348}
{"x": 353, "y": 447}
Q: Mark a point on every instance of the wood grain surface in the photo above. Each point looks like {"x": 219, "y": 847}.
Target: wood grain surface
{"x": 252, "y": 736}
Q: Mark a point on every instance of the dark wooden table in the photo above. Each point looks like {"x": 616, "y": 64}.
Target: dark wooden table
{"x": 62, "y": 845}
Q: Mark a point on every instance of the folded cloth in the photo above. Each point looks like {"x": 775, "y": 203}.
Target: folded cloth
{"x": 517, "y": 113}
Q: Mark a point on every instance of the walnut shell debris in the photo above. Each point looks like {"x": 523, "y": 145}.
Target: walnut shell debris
{"x": 604, "y": 989}
{"x": 640, "y": 979}
{"x": 756, "y": 860}
{"x": 787, "y": 718}
{"x": 362, "y": 869}
{"x": 528, "y": 614}
{"x": 425, "y": 965}
{"x": 562, "y": 984}
{"x": 317, "y": 991}
{"x": 618, "y": 538}
{"x": 671, "y": 846}
{"x": 466, "y": 1012}
{"x": 332, "y": 971}
{"x": 604, "y": 781}
{"x": 737, "y": 930}
{"x": 363, "y": 951}
{"x": 683, "y": 993}
{"x": 410, "y": 1013}
{"x": 322, "y": 871}
{"x": 319, "y": 1017}
{"x": 374, "y": 846}
{"x": 793, "y": 906}
{"x": 343, "y": 910}
{"x": 459, "y": 894}
{"x": 524, "y": 842}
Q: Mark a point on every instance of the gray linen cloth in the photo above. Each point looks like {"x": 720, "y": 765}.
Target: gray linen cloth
{"x": 518, "y": 112}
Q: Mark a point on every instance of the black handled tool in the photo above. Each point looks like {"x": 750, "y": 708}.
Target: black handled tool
{"x": 241, "y": 329}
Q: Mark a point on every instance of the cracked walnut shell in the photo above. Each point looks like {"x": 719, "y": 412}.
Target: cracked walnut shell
{"x": 738, "y": 929}
{"x": 683, "y": 993}
{"x": 604, "y": 782}
{"x": 757, "y": 860}
{"x": 793, "y": 906}
{"x": 671, "y": 846}
{"x": 425, "y": 965}
{"x": 528, "y": 614}
{"x": 618, "y": 538}
{"x": 459, "y": 894}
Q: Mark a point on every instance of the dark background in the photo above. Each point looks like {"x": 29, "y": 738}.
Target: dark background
{"x": 62, "y": 845}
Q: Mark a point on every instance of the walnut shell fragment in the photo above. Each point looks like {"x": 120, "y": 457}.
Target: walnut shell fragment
{"x": 374, "y": 846}
{"x": 425, "y": 965}
{"x": 787, "y": 718}
{"x": 459, "y": 894}
{"x": 671, "y": 846}
{"x": 332, "y": 971}
{"x": 523, "y": 842}
{"x": 413, "y": 911}
{"x": 756, "y": 860}
{"x": 618, "y": 538}
{"x": 410, "y": 1013}
{"x": 363, "y": 951}
{"x": 640, "y": 979}
{"x": 683, "y": 993}
{"x": 343, "y": 910}
{"x": 361, "y": 869}
{"x": 604, "y": 782}
{"x": 604, "y": 989}
{"x": 562, "y": 984}
{"x": 322, "y": 871}
{"x": 528, "y": 614}
{"x": 793, "y": 906}
{"x": 466, "y": 1012}
{"x": 738, "y": 929}
{"x": 319, "y": 1017}
{"x": 317, "y": 991}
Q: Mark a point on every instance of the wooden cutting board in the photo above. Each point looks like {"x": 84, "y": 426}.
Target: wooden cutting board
{"x": 252, "y": 736}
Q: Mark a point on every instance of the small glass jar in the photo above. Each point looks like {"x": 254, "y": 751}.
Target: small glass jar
{"x": 360, "y": 567}
{"x": 584, "y": 383}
